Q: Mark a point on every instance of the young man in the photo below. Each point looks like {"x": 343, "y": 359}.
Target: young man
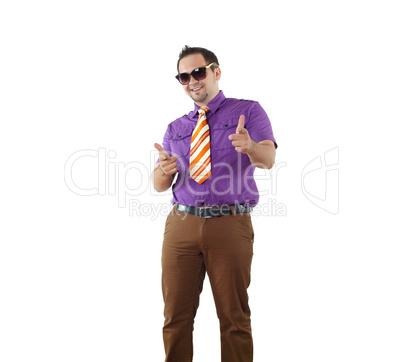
{"x": 213, "y": 150}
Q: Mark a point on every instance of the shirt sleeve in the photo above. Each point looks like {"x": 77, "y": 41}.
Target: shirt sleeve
{"x": 166, "y": 142}
{"x": 258, "y": 125}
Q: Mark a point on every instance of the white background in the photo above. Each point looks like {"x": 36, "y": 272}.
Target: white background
{"x": 80, "y": 277}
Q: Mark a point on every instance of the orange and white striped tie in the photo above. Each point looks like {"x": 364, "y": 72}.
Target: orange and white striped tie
{"x": 200, "y": 151}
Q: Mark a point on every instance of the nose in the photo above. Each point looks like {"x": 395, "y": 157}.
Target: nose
{"x": 192, "y": 80}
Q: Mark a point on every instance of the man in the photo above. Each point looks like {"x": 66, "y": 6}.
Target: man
{"x": 213, "y": 151}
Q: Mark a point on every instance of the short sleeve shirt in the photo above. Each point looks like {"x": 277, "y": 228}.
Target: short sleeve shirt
{"x": 231, "y": 181}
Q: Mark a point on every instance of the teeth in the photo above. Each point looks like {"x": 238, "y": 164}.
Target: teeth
{"x": 196, "y": 89}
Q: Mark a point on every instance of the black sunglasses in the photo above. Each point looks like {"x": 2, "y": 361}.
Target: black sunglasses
{"x": 198, "y": 74}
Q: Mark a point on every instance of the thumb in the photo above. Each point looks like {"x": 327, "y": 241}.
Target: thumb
{"x": 240, "y": 126}
{"x": 162, "y": 152}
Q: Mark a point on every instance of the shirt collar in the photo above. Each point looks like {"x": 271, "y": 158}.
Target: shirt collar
{"x": 213, "y": 105}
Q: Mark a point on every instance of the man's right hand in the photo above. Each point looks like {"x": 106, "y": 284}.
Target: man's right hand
{"x": 167, "y": 164}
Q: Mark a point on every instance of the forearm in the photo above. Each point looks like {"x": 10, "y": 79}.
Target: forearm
{"x": 262, "y": 155}
{"x": 160, "y": 180}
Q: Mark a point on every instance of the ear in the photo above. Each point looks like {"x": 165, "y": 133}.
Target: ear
{"x": 217, "y": 73}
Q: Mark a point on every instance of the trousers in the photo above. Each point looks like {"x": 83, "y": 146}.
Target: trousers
{"x": 223, "y": 248}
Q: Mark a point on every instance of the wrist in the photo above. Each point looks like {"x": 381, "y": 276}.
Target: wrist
{"x": 252, "y": 146}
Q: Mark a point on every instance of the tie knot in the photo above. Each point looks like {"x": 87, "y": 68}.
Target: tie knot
{"x": 203, "y": 110}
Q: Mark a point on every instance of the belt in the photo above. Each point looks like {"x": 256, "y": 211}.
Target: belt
{"x": 213, "y": 211}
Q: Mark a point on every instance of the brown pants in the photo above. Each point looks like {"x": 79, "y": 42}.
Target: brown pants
{"x": 222, "y": 247}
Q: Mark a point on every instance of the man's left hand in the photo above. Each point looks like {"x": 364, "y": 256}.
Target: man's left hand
{"x": 241, "y": 139}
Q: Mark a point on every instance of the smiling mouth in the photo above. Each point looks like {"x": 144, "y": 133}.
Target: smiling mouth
{"x": 196, "y": 89}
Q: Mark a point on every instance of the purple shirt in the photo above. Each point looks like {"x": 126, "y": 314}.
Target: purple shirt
{"x": 231, "y": 181}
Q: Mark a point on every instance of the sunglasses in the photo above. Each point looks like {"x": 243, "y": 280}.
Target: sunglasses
{"x": 198, "y": 74}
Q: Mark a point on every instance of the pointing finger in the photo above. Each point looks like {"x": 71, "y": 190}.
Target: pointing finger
{"x": 240, "y": 126}
{"x": 158, "y": 147}
{"x": 162, "y": 152}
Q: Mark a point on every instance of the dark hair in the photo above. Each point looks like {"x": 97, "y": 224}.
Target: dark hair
{"x": 207, "y": 54}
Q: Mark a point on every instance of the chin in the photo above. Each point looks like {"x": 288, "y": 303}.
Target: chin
{"x": 200, "y": 98}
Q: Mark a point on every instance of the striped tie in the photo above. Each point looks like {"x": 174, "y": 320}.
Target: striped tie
{"x": 200, "y": 153}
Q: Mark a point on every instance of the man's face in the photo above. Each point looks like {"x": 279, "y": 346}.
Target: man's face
{"x": 201, "y": 91}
